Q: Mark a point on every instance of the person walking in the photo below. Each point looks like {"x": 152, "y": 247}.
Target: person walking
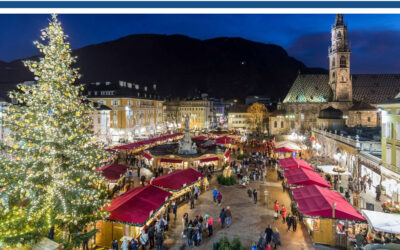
{"x": 215, "y": 193}
{"x": 276, "y": 209}
{"x": 144, "y": 238}
{"x": 288, "y": 222}
{"x": 219, "y": 198}
{"x": 185, "y": 220}
{"x": 268, "y": 234}
{"x": 196, "y": 192}
{"x": 261, "y": 242}
{"x": 151, "y": 233}
{"x": 294, "y": 223}
{"x": 192, "y": 201}
{"x": 378, "y": 192}
{"x": 276, "y": 238}
{"x": 228, "y": 216}
{"x": 114, "y": 245}
{"x": 249, "y": 193}
{"x": 369, "y": 183}
{"x": 209, "y": 225}
{"x": 347, "y": 195}
{"x": 134, "y": 244}
{"x": 200, "y": 226}
{"x": 189, "y": 231}
{"x": 159, "y": 240}
{"x": 125, "y": 245}
{"x": 143, "y": 179}
{"x": 255, "y": 196}
{"x": 222, "y": 217}
{"x": 283, "y": 213}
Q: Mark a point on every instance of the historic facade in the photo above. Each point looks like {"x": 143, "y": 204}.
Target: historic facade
{"x": 135, "y": 111}
{"x": 356, "y": 96}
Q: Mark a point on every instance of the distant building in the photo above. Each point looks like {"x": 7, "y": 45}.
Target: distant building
{"x": 356, "y": 96}
{"x": 199, "y": 111}
{"x": 171, "y": 114}
{"x": 278, "y": 123}
{"x": 238, "y": 118}
{"x": 267, "y": 101}
{"x": 101, "y": 123}
{"x": 137, "y": 111}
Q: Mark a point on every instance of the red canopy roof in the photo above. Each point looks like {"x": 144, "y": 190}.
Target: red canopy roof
{"x": 200, "y": 138}
{"x": 317, "y": 201}
{"x": 135, "y": 205}
{"x": 177, "y": 179}
{"x": 146, "y": 155}
{"x": 209, "y": 159}
{"x": 223, "y": 140}
{"x": 147, "y": 142}
{"x": 112, "y": 171}
{"x": 284, "y": 150}
{"x": 304, "y": 177}
{"x": 289, "y": 163}
{"x": 227, "y": 153}
{"x": 171, "y": 160}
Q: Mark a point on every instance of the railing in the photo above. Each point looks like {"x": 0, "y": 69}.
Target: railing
{"x": 340, "y": 138}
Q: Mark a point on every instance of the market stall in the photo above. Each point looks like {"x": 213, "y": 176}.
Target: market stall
{"x": 289, "y": 163}
{"x": 223, "y": 140}
{"x": 384, "y": 222}
{"x": 130, "y": 212}
{"x": 329, "y": 218}
{"x": 303, "y": 177}
{"x": 333, "y": 170}
{"x": 180, "y": 182}
{"x": 112, "y": 172}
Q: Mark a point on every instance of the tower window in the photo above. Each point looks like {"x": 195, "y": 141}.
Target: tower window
{"x": 343, "y": 62}
{"x": 333, "y": 75}
{"x": 333, "y": 63}
{"x": 339, "y": 35}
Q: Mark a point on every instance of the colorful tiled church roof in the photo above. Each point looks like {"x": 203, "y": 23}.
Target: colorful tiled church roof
{"x": 369, "y": 88}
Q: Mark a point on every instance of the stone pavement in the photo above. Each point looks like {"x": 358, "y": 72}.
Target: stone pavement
{"x": 248, "y": 219}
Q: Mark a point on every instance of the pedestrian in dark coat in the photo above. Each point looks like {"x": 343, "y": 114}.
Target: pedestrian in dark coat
{"x": 276, "y": 238}
{"x": 151, "y": 234}
{"x": 191, "y": 201}
{"x": 222, "y": 217}
{"x": 219, "y": 198}
{"x": 159, "y": 240}
{"x": 268, "y": 234}
{"x": 255, "y": 196}
{"x": 288, "y": 222}
{"x": 294, "y": 223}
{"x": 114, "y": 245}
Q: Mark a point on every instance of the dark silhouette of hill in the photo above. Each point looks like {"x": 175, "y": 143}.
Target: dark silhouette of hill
{"x": 183, "y": 66}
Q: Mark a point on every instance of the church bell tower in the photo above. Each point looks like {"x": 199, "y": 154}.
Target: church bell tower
{"x": 339, "y": 62}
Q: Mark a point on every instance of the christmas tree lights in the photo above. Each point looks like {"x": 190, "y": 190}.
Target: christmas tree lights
{"x": 46, "y": 169}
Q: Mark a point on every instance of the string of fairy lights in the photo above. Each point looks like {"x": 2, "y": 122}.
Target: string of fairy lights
{"x": 47, "y": 178}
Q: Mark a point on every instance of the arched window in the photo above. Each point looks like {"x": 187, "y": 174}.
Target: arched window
{"x": 275, "y": 124}
{"x": 339, "y": 35}
{"x": 343, "y": 62}
{"x": 333, "y": 63}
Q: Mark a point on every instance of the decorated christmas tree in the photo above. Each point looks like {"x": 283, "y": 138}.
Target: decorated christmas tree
{"x": 47, "y": 180}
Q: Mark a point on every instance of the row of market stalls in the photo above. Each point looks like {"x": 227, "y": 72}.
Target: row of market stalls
{"x": 328, "y": 217}
{"x": 136, "y": 209}
{"x": 176, "y": 161}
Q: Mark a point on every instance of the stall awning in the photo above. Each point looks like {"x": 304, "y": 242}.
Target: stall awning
{"x": 146, "y": 155}
{"x": 383, "y": 222}
{"x": 199, "y": 138}
{"x": 142, "y": 143}
{"x": 227, "y": 153}
{"x": 112, "y": 171}
{"x": 289, "y": 163}
{"x": 209, "y": 159}
{"x": 318, "y": 201}
{"x": 178, "y": 179}
{"x": 223, "y": 140}
{"x": 304, "y": 177}
{"x": 284, "y": 150}
{"x": 134, "y": 207}
{"x": 171, "y": 160}
{"x": 329, "y": 170}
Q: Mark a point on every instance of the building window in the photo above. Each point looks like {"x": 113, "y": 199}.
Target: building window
{"x": 281, "y": 124}
{"x": 98, "y": 120}
{"x": 333, "y": 63}
{"x": 115, "y": 102}
{"x": 397, "y": 158}
{"x": 398, "y": 131}
{"x": 389, "y": 155}
{"x": 369, "y": 119}
{"x": 102, "y": 102}
{"x": 343, "y": 62}
{"x": 129, "y": 103}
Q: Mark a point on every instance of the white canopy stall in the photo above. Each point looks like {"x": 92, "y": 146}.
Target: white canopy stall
{"x": 291, "y": 145}
{"x": 328, "y": 169}
{"x": 383, "y": 222}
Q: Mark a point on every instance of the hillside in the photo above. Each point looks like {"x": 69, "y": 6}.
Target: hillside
{"x": 182, "y": 66}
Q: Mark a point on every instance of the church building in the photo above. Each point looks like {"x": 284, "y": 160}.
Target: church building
{"x": 314, "y": 97}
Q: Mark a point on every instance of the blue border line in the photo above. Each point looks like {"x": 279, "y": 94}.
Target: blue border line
{"x": 199, "y": 4}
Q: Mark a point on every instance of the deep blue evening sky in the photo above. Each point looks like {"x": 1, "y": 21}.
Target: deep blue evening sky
{"x": 375, "y": 39}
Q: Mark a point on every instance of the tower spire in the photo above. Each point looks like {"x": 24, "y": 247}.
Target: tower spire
{"x": 339, "y": 20}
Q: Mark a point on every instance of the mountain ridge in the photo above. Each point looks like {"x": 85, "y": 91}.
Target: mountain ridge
{"x": 228, "y": 67}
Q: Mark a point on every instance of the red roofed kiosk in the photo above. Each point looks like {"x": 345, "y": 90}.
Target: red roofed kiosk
{"x": 130, "y": 212}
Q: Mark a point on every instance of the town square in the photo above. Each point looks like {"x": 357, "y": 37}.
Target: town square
{"x": 167, "y": 138}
